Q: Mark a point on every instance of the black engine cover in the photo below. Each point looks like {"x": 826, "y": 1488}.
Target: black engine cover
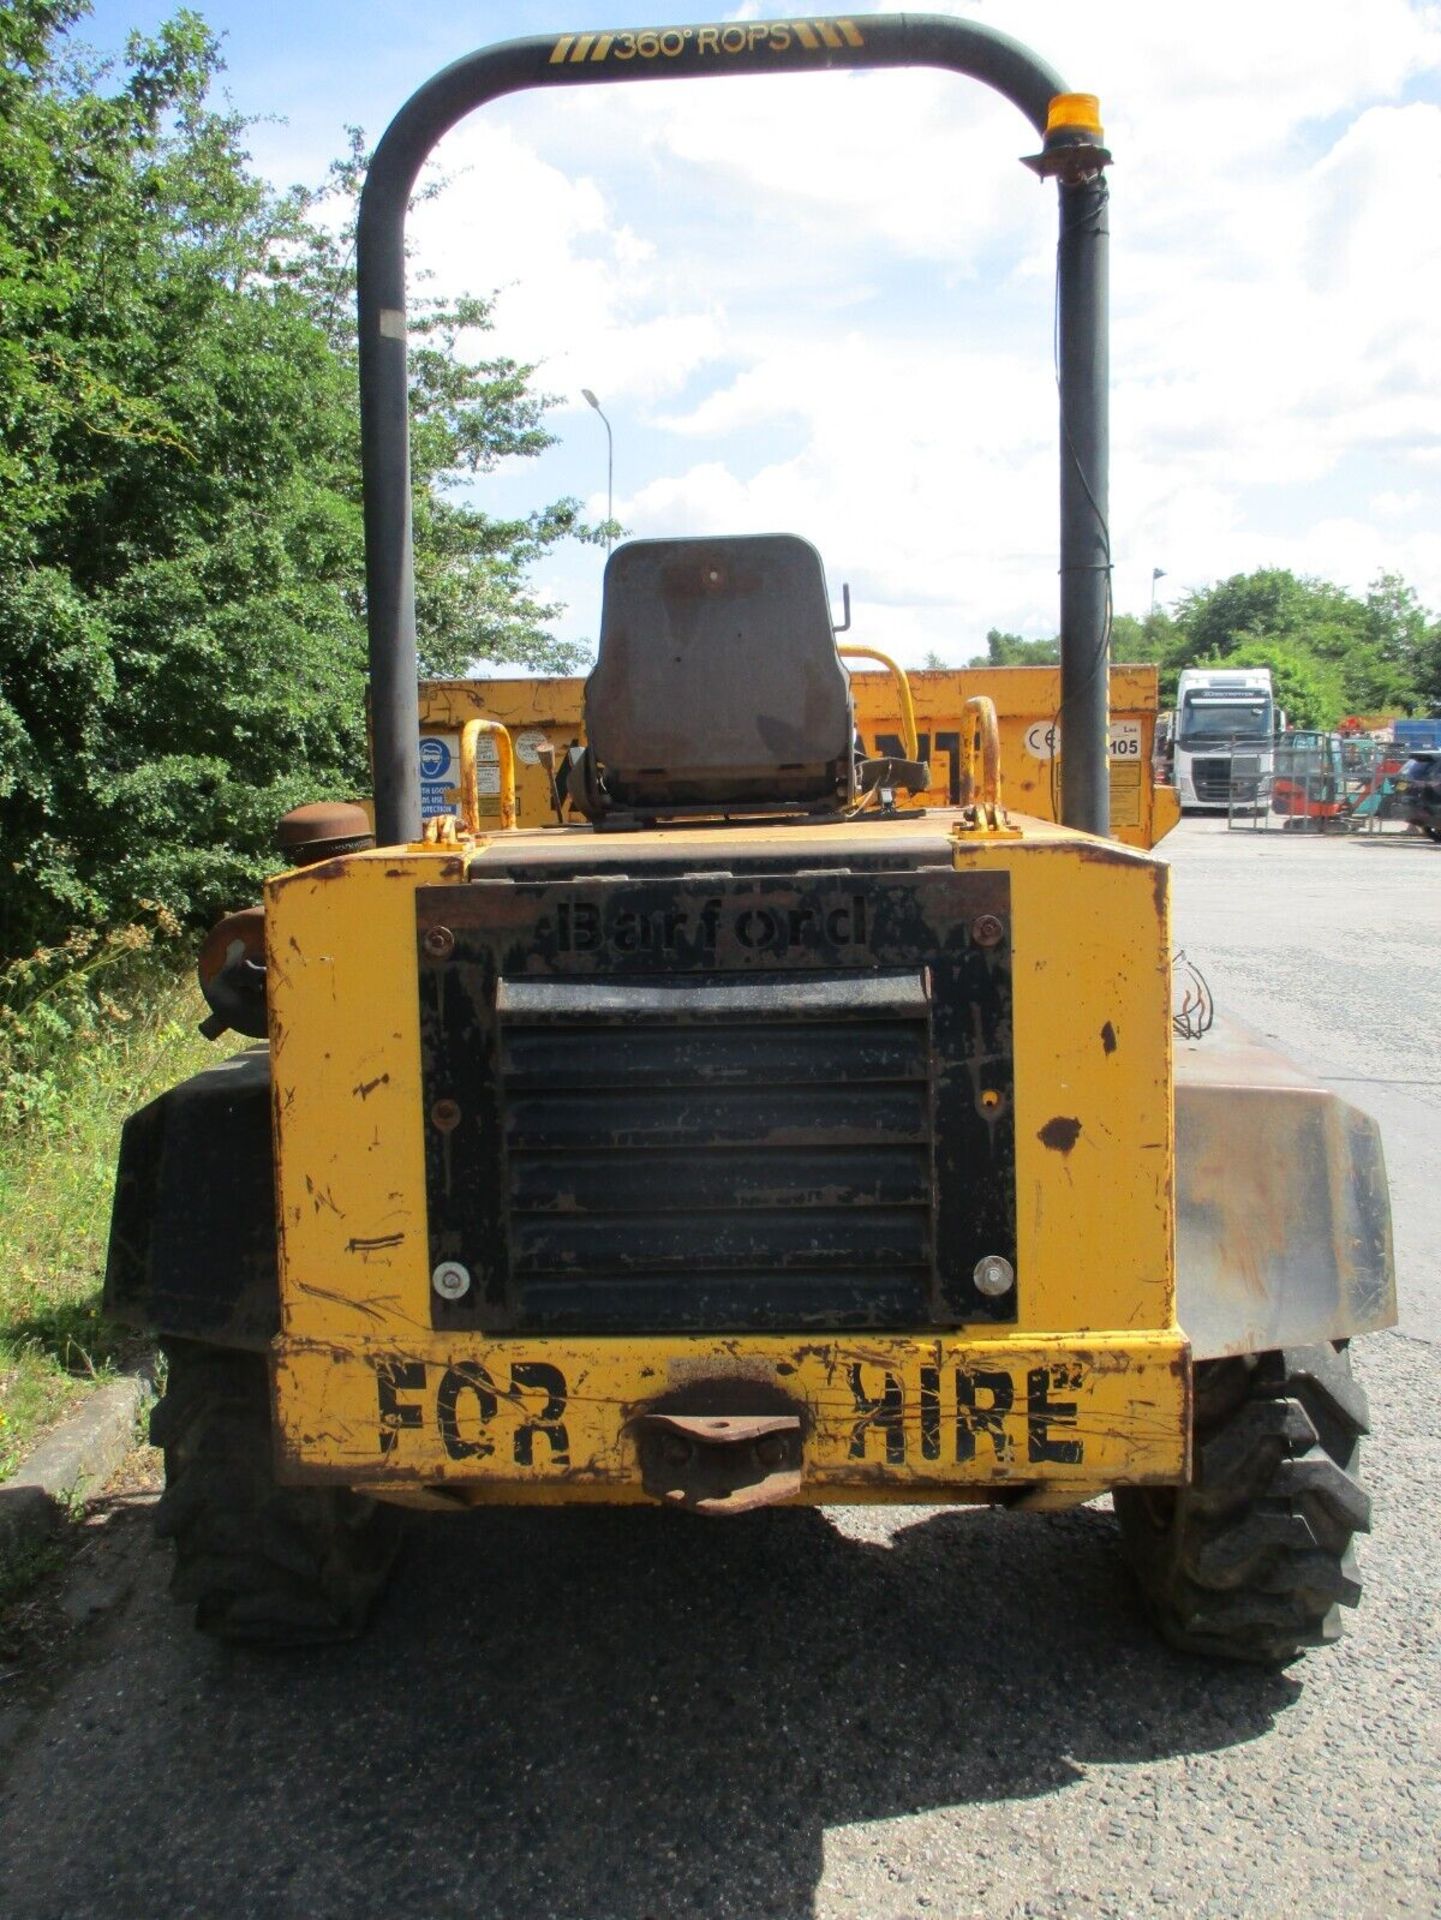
{"x": 719, "y": 1104}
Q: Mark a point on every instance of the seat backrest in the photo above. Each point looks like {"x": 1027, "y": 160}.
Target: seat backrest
{"x": 717, "y": 678}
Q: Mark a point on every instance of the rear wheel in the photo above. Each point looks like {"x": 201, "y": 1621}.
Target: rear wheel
{"x": 1253, "y": 1560}
{"x": 272, "y": 1565}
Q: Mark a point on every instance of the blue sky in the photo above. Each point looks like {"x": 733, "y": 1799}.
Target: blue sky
{"x": 824, "y": 304}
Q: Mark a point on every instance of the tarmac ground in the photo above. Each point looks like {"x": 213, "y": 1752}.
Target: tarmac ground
{"x": 866, "y": 1715}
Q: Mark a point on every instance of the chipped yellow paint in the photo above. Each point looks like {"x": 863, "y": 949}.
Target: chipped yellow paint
{"x": 345, "y": 1090}
{"x": 1091, "y": 980}
{"x": 881, "y": 1412}
{"x": 1026, "y": 699}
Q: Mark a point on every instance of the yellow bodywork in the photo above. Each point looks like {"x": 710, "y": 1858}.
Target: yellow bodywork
{"x": 1087, "y": 1389}
{"x": 1026, "y": 699}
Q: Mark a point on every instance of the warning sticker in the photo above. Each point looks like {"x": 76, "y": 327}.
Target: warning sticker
{"x": 439, "y": 774}
{"x": 487, "y": 764}
{"x": 1125, "y": 793}
{"x": 528, "y": 744}
{"x": 440, "y": 771}
{"x": 1043, "y": 740}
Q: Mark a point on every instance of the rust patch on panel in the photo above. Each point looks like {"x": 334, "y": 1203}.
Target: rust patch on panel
{"x": 1109, "y": 853}
{"x": 326, "y": 871}
{"x": 1060, "y": 1134}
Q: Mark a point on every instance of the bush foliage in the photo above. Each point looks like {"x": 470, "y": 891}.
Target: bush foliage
{"x": 181, "y": 562}
{"x": 91, "y": 1029}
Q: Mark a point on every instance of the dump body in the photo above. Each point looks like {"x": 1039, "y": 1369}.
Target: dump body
{"x": 550, "y": 712}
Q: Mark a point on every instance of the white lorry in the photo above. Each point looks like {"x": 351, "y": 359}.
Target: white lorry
{"x": 1225, "y": 731}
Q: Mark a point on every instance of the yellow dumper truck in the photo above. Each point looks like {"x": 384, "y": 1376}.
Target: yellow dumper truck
{"x": 753, "y": 1105}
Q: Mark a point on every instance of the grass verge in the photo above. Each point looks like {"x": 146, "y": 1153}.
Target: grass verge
{"x": 88, "y": 1032}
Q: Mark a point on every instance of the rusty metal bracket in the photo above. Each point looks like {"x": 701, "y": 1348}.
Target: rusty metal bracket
{"x": 470, "y": 773}
{"x": 981, "y": 740}
{"x": 720, "y": 1463}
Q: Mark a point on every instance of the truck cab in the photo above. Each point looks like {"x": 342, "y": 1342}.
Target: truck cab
{"x": 1225, "y": 727}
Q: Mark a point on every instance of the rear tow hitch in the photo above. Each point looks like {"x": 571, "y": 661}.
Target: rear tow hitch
{"x": 720, "y": 1463}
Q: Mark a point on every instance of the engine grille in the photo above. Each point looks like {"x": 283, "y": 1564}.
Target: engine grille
{"x": 1212, "y": 779}
{"x": 717, "y": 1104}
{"x": 767, "y": 1151}
{"x": 1219, "y": 778}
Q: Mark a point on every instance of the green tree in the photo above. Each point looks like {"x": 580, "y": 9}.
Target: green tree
{"x": 1388, "y": 671}
{"x": 1308, "y": 690}
{"x": 1366, "y": 654}
{"x": 1151, "y": 639}
{"x": 1011, "y": 650}
{"x": 1330, "y": 653}
{"x": 1428, "y": 670}
{"x": 1268, "y": 604}
{"x": 182, "y": 650}
{"x": 1148, "y": 641}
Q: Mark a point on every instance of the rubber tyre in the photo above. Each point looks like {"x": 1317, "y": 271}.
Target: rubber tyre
{"x": 262, "y": 1564}
{"x": 1253, "y": 1560}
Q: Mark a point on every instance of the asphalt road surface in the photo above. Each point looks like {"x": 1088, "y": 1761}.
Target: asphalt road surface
{"x": 610, "y": 1716}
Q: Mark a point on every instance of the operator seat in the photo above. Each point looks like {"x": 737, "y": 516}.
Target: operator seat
{"x": 717, "y": 682}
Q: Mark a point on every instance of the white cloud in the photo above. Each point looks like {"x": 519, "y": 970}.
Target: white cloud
{"x": 825, "y": 304}
{"x": 568, "y": 274}
{"x": 1390, "y": 505}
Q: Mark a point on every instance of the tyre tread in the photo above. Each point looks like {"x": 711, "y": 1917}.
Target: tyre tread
{"x": 1253, "y": 1560}
{"x": 261, "y": 1563}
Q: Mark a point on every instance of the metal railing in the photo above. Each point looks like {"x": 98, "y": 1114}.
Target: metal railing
{"x": 1312, "y": 783}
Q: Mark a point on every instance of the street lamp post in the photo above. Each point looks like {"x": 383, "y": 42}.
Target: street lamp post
{"x": 590, "y": 400}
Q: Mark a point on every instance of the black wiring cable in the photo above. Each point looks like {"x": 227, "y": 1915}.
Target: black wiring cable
{"x": 1196, "y": 1014}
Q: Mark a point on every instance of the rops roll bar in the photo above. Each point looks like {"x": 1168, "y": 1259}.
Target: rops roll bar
{"x": 1072, "y": 153}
